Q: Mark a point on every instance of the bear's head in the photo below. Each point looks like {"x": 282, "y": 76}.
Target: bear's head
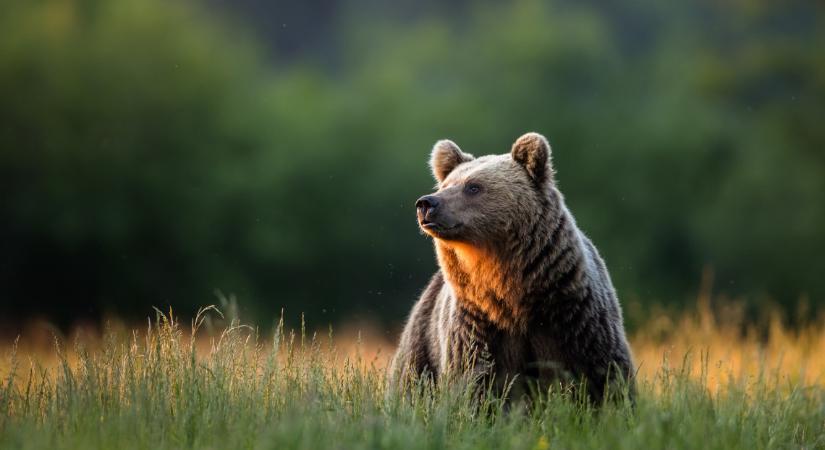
{"x": 490, "y": 200}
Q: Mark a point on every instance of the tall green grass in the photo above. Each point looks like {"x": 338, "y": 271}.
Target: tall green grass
{"x": 166, "y": 387}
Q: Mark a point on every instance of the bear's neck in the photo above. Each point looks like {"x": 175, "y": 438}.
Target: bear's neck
{"x": 479, "y": 278}
{"x": 506, "y": 282}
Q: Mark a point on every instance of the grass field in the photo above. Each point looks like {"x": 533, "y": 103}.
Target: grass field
{"x": 703, "y": 383}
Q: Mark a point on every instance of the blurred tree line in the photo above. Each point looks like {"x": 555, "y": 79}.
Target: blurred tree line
{"x": 153, "y": 151}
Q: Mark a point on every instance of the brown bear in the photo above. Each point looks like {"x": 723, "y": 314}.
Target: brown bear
{"x": 521, "y": 292}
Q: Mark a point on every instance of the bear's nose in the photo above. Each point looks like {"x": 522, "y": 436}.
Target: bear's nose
{"x": 427, "y": 203}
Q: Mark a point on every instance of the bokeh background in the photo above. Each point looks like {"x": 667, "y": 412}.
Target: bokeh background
{"x": 179, "y": 152}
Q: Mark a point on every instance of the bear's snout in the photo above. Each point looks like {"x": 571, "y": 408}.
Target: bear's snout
{"x": 427, "y": 207}
{"x": 427, "y": 203}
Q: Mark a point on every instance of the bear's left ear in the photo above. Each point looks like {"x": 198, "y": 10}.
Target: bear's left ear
{"x": 445, "y": 157}
{"x": 532, "y": 151}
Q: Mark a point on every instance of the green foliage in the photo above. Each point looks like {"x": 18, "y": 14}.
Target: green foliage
{"x": 153, "y": 391}
{"x": 149, "y": 154}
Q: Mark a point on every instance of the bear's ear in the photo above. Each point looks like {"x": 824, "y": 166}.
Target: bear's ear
{"x": 532, "y": 151}
{"x": 445, "y": 157}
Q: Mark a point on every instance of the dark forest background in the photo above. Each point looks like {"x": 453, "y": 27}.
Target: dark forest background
{"x": 155, "y": 152}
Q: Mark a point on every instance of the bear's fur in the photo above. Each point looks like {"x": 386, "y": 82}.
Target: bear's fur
{"x": 521, "y": 291}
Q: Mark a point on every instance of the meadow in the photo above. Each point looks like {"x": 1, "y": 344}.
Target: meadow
{"x": 706, "y": 380}
{"x": 154, "y": 150}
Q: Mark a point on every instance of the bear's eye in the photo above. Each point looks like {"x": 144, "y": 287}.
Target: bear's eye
{"x": 472, "y": 189}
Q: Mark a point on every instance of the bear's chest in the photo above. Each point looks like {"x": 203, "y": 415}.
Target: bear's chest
{"x": 528, "y": 358}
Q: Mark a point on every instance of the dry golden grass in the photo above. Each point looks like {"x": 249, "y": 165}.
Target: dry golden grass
{"x": 718, "y": 347}
{"x": 721, "y": 351}
{"x": 706, "y": 381}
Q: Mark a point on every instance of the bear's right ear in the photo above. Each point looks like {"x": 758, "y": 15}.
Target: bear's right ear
{"x": 445, "y": 157}
{"x": 532, "y": 151}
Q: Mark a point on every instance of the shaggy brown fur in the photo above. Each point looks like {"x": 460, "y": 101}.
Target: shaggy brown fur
{"x": 521, "y": 291}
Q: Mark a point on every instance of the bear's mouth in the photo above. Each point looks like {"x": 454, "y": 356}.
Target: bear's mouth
{"x": 437, "y": 228}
